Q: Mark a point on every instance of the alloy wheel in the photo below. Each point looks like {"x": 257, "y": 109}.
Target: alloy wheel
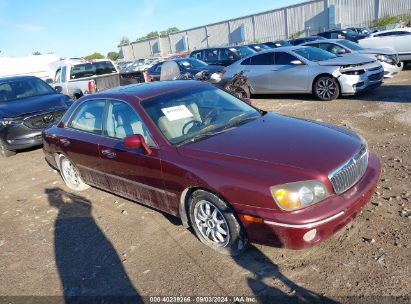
{"x": 326, "y": 88}
{"x": 69, "y": 172}
{"x": 211, "y": 223}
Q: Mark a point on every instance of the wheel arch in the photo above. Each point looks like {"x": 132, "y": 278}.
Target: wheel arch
{"x": 322, "y": 75}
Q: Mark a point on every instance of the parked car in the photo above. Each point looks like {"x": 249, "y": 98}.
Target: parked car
{"x": 277, "y": 44}
{"x": 397, "y": 39}
{"x": 27, "y": 106}
{"x": 222, "y": 55}
{"x": 186, "y": 65}
{"x": 343, "y": 34}
{"x": 232, "y": 172}
{"x": 258, "y": 47}
{"x": 388, "y": 57}
{"x": 302, "y": 40}
{"x": 79, "y": 77}
{"x": 302, "y": 69}
{"x": 361, "y": 30}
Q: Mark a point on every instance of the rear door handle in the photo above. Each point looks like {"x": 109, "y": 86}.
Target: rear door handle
{"x": 108, "y": 153}
{"x": 65, "y": 141}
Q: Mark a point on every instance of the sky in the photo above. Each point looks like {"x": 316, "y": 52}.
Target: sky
{"x": 81, "y": 27}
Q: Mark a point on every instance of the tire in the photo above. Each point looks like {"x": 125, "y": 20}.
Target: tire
{"x": 70, "y": 175}
{"x": 326, "y": 88}
{"x": 4, "y": 152}
{"x": 225, "y": 233}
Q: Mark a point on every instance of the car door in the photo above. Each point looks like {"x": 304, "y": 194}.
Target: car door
{"x": 289, "y": 76}
{"x": 79, "y": 141}
{"x": 259, "y": 71}
{"x": 130, "y": 172}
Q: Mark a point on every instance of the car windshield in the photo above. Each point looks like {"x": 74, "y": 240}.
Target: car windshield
{"x": 314, "y": 54}
{"x": 350, "y": 32}
{"x": 242, "y": 51}
{"x": 23, "y": 88}
{"x": 189, "y": 115}
{"x": 351, "y": 45}
{"x": 192, "y": 63}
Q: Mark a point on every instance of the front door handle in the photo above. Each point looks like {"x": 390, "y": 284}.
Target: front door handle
{"x": 65, "y": 141}
{"x": 108, "y": 153}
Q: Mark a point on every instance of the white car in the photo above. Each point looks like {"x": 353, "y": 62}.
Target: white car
{"x": 304, "y": 69}
{"x": 342, "y": 47}
{"x": 397, "y": 39}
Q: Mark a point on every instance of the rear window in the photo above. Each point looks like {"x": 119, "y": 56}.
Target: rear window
{"x": 91, "y": 69}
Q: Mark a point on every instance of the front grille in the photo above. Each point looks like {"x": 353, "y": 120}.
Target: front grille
{"x": 351, "y": 172}
{"x": 376, "y": 76}
{"x": 44, "y": 120}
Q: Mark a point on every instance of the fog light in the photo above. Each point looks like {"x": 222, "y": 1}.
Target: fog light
{"x": 310, "y": 235}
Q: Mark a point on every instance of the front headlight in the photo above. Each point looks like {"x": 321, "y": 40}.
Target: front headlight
{"x": 384, "y": 58}
{"x": 298, "y": 195}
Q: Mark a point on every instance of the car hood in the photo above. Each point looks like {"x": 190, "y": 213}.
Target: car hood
{"x": 280, "y": 140}
{"x": 347, "y": 60}
{"x": 383, "y": 51}
{"x": 37, "y": 104}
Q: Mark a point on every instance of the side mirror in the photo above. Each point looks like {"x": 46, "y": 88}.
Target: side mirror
{"x": 296, "y": 62}
{"x": 136, "y": 141}
{"x": 58, "y": 89}
{"x": 49, "y": 80}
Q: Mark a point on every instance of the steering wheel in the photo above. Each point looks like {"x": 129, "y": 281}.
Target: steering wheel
{"x": 194, "y": 123}
{"x": 210, "y": 115}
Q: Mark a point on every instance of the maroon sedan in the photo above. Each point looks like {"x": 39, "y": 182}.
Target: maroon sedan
{"x": 232, "y": 172}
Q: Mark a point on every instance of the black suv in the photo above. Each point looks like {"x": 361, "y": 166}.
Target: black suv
{"x": 224, "y": 55}
{"x": 343, "y": 34}
{"x": 27, "y": 106}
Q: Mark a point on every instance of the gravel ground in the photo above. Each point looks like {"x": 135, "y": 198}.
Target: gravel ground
{"x": 54, "y": 242}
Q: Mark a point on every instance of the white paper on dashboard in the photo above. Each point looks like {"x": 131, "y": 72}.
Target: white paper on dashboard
{"x": 177, "y": 112}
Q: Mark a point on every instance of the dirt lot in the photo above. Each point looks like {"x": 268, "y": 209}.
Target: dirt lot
{"x": 54, "y": 242}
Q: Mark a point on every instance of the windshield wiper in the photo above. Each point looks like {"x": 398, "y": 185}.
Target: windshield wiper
{"x": 239, "y": 119}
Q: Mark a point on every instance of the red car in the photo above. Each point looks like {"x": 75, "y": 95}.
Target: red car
{"x": 232, "y": 172}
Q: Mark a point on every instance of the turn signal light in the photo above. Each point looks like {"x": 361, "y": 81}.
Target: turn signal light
{"x": 254, "y": 219}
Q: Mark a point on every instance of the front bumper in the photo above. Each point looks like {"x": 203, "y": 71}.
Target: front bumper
{"x": 354, "y": 84}
{"x": 288, "y": 230}
{"x": 19, "y": 137}
{"x": 391, "y": 70}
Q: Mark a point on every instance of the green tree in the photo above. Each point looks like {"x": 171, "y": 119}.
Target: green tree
{"x": 95, "y": 55}
{"x": 36, "y": 53}
{"x": 112, "y": 56}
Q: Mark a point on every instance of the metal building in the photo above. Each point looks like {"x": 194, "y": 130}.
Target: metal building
{"x": 302, "y": 19}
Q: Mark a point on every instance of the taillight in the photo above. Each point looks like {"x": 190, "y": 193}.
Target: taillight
{"x": 148, "y": 76}
{"x": 91, "y": 86}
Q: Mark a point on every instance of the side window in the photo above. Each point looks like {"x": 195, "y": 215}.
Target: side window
{"x": 333, "y": 35}
{"x": 63, "y": 74}
{"x": 88, "y": 116}
{"x": 211, "y": 55}
{"x": 282, "y": 58}
{"x": 246, "y": 61}
{"x": 196, "y": 55}
{"x": 121, "y": 120}
{"x": 263, "y": 59}
{"x": 225, "y": 54}
{"x": 57, "y": 77}
{"x": 332, "y": 48}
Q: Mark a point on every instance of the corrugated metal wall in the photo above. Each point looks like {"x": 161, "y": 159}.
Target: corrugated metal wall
{"x": 270, "y": 26}
{"x": 394, "y": 7}
{"x": 305, "y": 18}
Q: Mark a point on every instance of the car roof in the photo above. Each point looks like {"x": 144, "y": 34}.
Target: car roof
{"x": 18, "y": 77}
{"x": 147, "y": 90}
{"x": 221, "y": 47}
{"x": 406, "y": 29}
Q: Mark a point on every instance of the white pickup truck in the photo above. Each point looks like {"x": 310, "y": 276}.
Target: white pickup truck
{"x": 77, "y": 77}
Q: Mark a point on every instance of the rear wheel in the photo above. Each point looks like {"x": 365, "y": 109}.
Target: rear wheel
{"x": 70, "y": 175}
{"x": 4, "y": 152}
{"x": 326, "y": 88}
{"x": 215, "y": 223}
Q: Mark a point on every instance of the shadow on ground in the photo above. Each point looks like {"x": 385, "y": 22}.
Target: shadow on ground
{"x": 89, "y": 266}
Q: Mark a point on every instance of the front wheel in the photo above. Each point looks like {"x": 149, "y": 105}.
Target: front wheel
{"x": 4, "y": 152}
{"x": 326, "y": 88}
{"x": 215, "y": 224}
{"x": 70, "y": 175}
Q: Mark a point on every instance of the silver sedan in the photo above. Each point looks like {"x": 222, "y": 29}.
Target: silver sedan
{"x": 301, "y": 69}
{"x": 341, "y": 47}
